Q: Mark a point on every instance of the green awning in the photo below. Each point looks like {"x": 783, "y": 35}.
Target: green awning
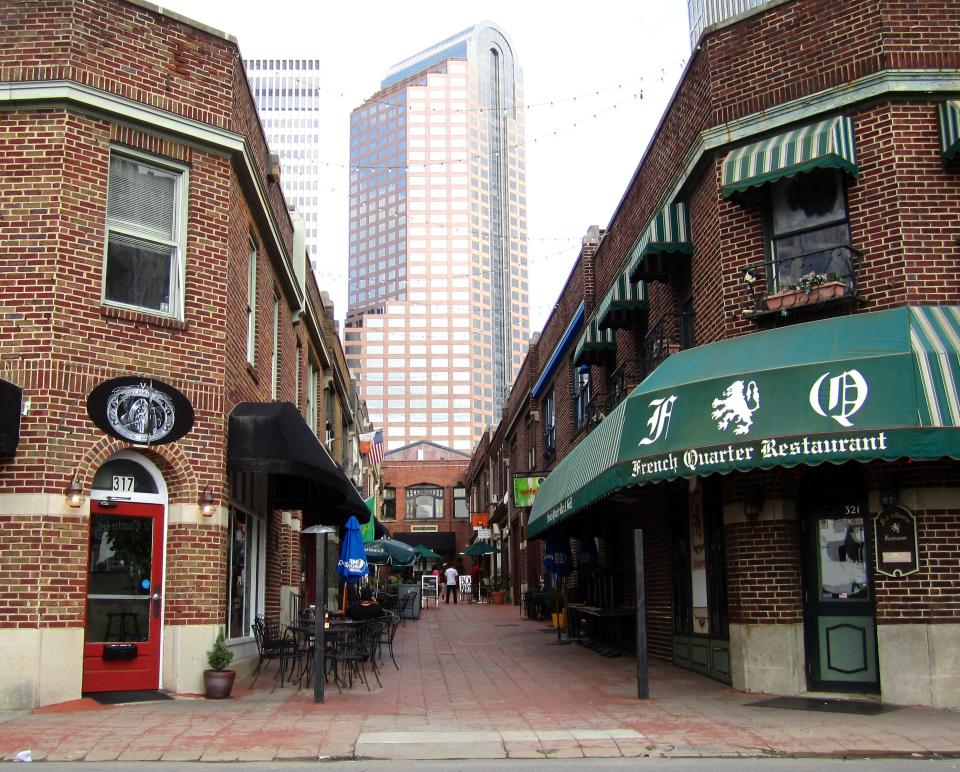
{"x": 950, "y": 128}
{"x": 880, "y": 385}
{"x": 827, "y": 144}
{"x": 623, "y": 299}
{"x": 668, "y": 233}
{"x": 595, "y": 345}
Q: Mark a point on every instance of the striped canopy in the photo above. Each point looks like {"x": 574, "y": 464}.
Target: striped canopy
{"x": 950, "y": 129}
{"x": 871, "y": 386}
{"x": 827, "y": 144}
{"x": 622, "y": 299}
{"x": 668, "y": 232}
{"x": 594, "y": 345}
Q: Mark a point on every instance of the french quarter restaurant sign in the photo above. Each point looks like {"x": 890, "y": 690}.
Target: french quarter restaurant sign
{"x": 140, "y": 410}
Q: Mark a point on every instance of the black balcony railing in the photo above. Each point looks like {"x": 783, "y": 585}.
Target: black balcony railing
{"x": 671, "y": 334}
{"x": 618, "y": 385}
{"x": 802, "y": 282}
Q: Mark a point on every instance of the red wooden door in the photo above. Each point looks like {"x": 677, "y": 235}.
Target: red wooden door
{"x": 124, "y": 598}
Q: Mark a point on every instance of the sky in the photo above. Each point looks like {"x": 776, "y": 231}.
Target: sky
{"x": 597, "y": 78}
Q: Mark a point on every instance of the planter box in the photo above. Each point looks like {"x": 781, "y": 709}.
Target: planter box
{"x": 798, "y": 297}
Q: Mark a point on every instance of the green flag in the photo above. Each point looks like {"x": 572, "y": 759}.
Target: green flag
{"x": 367, "y": 529}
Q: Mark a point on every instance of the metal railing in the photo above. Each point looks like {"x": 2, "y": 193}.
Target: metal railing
{"x": 618, "y": 385}
{"x": 672, "y": 333}
{"x": 801, "y": 281}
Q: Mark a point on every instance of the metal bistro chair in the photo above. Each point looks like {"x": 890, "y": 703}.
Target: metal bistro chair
{"x": 387, "y": 634}
{"x": 345, "y": 653}
{"x": 405, "y": 605}
{"x": 272, "y": 645}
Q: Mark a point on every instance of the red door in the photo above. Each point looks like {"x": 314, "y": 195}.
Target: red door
{"x": 122, "y": 642}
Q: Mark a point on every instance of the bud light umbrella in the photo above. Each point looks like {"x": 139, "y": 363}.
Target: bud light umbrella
{"x": 353, "y": 559}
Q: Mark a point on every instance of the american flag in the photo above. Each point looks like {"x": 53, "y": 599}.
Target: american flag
{"x": 375, "y": 456}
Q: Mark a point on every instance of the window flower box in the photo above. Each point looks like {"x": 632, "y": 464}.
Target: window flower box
{"x": 800, "y": 296}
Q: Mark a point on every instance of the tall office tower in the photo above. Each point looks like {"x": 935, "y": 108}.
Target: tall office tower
{"x": 438, "y": 308}
{"x": 287, "y": 94}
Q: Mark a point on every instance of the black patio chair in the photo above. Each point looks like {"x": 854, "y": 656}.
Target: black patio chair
{"x": 405, "y": 605}
{"x": 272, "y": 645}
{"x": 389, "y": 631}
{"x": 345, "y": 653}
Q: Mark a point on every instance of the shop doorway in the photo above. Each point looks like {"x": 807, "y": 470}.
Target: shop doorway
{"x": 839, "y": 620}
{"x": 124, "y": 605}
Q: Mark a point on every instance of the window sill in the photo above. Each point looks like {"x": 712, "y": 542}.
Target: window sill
{"x": 141, "y": 317}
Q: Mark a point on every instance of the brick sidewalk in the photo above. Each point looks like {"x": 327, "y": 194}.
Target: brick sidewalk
{"x": 475, "y": 682}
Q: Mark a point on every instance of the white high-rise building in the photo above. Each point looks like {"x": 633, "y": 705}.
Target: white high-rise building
{"x": 438, "y": 306}
{"x": 287, "y": 93}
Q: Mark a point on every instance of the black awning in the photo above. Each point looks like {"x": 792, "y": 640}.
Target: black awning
{"x": 444, "y": 542}
{"x": 10, "y": 397}
{"x": 272, "y": 438}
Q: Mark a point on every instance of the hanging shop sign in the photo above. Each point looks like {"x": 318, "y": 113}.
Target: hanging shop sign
{"x": 896, "y": 535}
{"x": 140, "y": 410}
{"x": 525, "y": 490}
{"x": 479, "y": 520}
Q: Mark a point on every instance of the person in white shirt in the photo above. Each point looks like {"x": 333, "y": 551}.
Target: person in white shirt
{"x": 452, "y": 577}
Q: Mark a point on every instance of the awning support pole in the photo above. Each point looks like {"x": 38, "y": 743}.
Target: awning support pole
{"x": 320, "y": 605}
{"x": 643, "y": 674}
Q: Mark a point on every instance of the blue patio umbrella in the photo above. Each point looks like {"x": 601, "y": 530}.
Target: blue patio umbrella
{"x": 353, "y": 557}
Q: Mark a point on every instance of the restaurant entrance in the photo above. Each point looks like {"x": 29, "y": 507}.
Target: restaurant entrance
{"x": 124, "y": 607}
{"x": 839, "y": 623}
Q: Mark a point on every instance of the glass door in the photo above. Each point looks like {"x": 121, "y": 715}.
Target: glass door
{"x": 839, "y": 615}
{"x": 124, "y": 601}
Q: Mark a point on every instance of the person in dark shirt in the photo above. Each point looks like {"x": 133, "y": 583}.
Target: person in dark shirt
{"x": 366, "y": 607}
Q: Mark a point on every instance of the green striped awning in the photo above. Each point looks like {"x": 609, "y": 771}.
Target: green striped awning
{"x": 624, "y": 298}
{"x": 595, "y": 345}
{"x": 827, "y": 144}
{"x": 949, "y": 128}
{"x": 883, "y": 385}
{"x": 668, "y": 232}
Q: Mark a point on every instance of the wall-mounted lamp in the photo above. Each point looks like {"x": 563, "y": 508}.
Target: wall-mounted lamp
{"x": 205, "y": 502}
{"x": 75, "y": 493}
{"x": 749, "y": 275}
{"x": 752, "y": 504}
{"x": 888, "y": 497}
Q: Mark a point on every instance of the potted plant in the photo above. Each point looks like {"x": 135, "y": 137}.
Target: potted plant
{"x": 499, "y": 584}
{"x": 218, "y": 681}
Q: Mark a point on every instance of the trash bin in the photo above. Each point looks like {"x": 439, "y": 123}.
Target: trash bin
{"x": 413, "y": 612}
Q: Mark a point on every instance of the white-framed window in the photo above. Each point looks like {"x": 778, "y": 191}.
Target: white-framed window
{"x": 146, "y": 234}
{"x": 313, "y": 379}
{"x": 275, "y": 380}
{"x": 247, "y": 572}
{"x": 252, "y": 255}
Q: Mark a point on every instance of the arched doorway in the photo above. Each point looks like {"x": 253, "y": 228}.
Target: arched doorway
{"x": 839, "y": 617}
{"x": 124, "y": 608}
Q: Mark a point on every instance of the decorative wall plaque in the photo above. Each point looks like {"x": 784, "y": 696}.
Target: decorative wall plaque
{"x": 896, "y": 534}
{"x": 140, "y": 410}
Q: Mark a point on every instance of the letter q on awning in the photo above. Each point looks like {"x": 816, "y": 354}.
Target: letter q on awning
{"x": 273, "y": 438}
{"x": 949, "y": 113}
{"x": 825, "y": 145}
{"x": 882, "y": 385}
{"x": 11, "y": 396}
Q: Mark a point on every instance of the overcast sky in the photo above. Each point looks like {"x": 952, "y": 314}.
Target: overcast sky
{"x": 585, "y": 66}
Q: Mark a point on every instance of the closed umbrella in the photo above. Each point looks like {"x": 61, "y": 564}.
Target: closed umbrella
{"x": 382, "y": 552}
{"x": 353, "y": 558}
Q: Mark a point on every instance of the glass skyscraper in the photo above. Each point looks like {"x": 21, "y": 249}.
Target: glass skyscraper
{"x": 438, "y": 305}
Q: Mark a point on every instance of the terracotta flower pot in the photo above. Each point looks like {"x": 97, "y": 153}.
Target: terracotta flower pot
{"x": 498, "y": 596}
{"x": 218, "y": 683}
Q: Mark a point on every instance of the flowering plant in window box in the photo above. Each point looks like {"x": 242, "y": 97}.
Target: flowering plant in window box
{"x": 812, "y": 287}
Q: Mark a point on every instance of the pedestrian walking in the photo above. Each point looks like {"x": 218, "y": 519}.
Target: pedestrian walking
{"x": 452, "y": 578}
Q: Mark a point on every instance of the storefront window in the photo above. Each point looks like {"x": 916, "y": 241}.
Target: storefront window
{"x": 246, "y": 575}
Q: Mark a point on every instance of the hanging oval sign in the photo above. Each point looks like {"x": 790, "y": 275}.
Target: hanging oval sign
{"x": 140, "y": 410}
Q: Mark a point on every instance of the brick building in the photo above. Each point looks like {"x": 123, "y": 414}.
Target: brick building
{"x": 755, "y": 365}
{"x": 175, "y": 399}
{"x": 424, "y": 498}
